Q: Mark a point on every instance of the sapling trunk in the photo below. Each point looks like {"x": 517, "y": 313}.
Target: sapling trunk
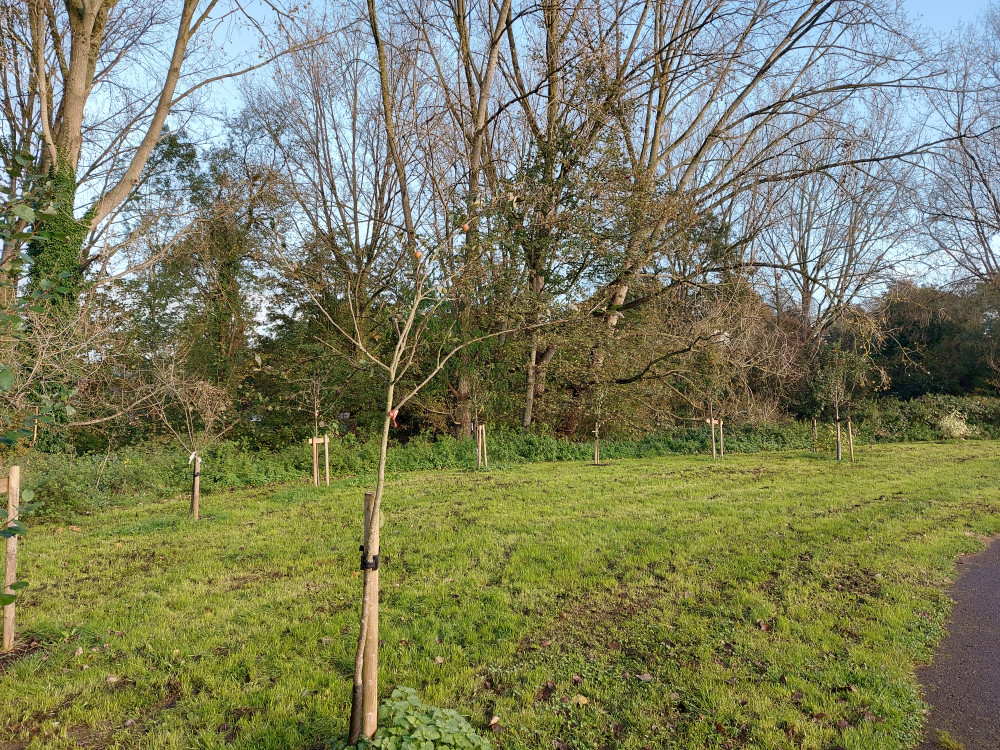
{"x": 363, "y": 716}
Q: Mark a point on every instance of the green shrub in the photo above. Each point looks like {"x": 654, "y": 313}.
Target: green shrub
{"x": 407, "y": 723}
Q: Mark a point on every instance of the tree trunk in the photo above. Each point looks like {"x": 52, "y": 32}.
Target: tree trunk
{"x": 529, "y": 386}
{"x": 463, "y": 406}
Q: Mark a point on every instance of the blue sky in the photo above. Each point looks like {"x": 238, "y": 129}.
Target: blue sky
{"x": 942, "y": 15}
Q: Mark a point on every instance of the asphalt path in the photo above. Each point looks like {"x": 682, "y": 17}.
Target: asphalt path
{"x": 962, "y": 684}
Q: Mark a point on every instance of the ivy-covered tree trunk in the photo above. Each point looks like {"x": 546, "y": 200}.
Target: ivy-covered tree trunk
{"x": 58, "y": 250}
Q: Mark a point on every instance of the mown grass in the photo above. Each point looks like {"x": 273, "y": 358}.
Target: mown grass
{"x": 767, "y": 601}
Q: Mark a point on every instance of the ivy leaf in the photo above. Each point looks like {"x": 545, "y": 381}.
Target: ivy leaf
{"x": 6, "y": 379}
{"x": 6, "y": 599}
{"x": 22, "y": 211}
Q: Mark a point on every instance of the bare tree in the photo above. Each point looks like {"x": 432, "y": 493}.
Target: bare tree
{"x": 963, "y": 201}
{"x": 837, "y": 238}
{"x": 98, "y": 79}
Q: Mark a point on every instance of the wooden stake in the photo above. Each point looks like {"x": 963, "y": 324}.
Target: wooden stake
{"x": 486, "y": 455}
{"x": 10, "y": 569}
{"x": 815, "y": 437}
{"x": 326, "y": 457}
{"x": 722, "y": 442}
{"x": 597, "y": 444}
{"x": 850, "y": 438}
{"x": 839, "y": 451}
{"x": 369, "y": 676}
{"x": 711, "y": 421}
{"x": 195, "y": 486}
{"x": 315, "y": 447}
{"x": 479, "y": 446}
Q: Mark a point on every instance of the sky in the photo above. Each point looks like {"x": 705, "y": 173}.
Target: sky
{"x": 943, "y": 15}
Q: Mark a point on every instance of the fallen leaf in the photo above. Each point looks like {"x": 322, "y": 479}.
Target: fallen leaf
{"x": 494, "y": 720}
{"x": 79, "y": 651}
{"x": 74, "y": 528}
{"x": 844, "y": 724}
{"x": 797, "y": 696}
{"x": 579, "y": 700}
{"x": 765, "y": 626}
{"x": 675, "y": 696}
{"x": 645, "y": 677}
{"x": 439, "y": 660}
{"x": 112, "y": 679}
{"x": 326, "y": 641}
{"x": 129, "y": 723}
{"x": 577, "y": 679}
{"x": 546, "y": 643}
{"x": 59, "y": 530}
{"x": 545, "y": 693}
{"x": 563, "y": 615}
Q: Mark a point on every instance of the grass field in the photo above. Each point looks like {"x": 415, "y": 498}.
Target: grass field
{"x": 767, "y": 601}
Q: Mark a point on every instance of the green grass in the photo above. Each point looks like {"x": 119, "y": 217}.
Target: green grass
{"x": 947, "y": 742}
{"x": 767, "y": 601}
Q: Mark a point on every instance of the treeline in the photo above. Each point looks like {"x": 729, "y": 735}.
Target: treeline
{"x": 545, "y": 218}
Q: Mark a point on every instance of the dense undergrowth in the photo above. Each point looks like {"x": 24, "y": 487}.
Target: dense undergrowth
{"x": 67, "y": 483}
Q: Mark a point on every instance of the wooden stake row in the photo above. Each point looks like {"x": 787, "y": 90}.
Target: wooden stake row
{"x": 12, "y": 486}
{"x": 482, "y": 459}
{"x": 316, "y": 442}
